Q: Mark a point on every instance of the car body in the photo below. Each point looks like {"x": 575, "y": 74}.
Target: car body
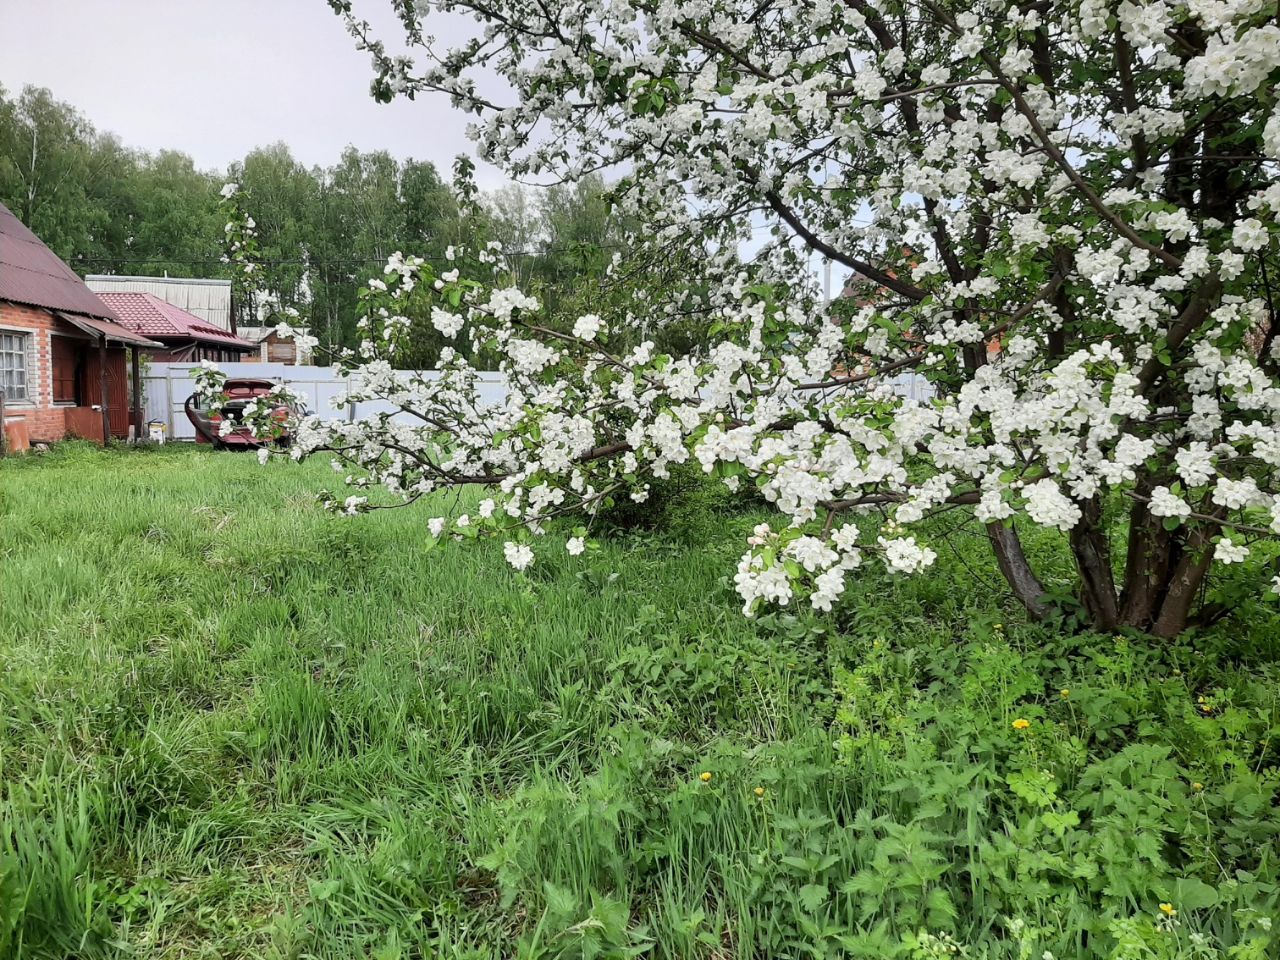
{"x": 237, "y": 393}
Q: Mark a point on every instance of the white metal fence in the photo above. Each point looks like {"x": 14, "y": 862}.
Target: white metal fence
{"x": 166, "y": 387}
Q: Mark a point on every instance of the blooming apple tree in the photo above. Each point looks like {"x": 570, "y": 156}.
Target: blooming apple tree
{"x": 1062, "y": 215}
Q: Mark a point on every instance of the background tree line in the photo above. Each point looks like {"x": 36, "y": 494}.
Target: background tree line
{"x": 104, "y": 207}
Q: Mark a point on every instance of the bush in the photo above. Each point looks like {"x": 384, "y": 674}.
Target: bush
{"x": 685, "y": 504}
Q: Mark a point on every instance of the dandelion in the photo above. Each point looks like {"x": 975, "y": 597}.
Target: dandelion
{"x": 705, "y": 776}
{"x": 1022, "y": 723}
{"x": 1167, "y": 910}
{"x": 759, "y": 791}
{"x": 1065, "y": 692}
{"x": 1197, "y": 786}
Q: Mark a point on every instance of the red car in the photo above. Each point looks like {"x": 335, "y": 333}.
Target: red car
{"x": 238, "y": 392}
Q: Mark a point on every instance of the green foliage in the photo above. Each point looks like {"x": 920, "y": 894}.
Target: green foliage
{"x": 97, "y": 204}
{"x": 687, "y": 504}
{"x": 321, "y": 232}
{"x": 234, "y": 726}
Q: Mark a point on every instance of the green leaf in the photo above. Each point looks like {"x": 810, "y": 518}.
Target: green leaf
{"x": 813, "y": 895}
{"x": 1192, "y": 894}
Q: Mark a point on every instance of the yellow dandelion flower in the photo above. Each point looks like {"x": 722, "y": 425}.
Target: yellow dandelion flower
{"x": 1197, "y": 786}
{"x": 759, "y": 791}
{"x": 1167, "y": 910}
{"x": 1021, "y": 723}
{"x": 1065, "y": 691}
{"x": 705, "y": 776}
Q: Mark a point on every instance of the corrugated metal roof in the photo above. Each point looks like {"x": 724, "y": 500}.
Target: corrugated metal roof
{"x": 115, "y": 333}
{"x": 147, "y": 314}
{"x": 210, "y": 300}
{"x": 32, "y": 274}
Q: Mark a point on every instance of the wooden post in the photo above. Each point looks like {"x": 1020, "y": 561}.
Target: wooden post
{"x": 102, "y": 388}
{"x": 4, "y": 433}
{"x": 137, "y": 397}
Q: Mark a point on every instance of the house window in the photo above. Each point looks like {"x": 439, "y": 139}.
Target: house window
{"x": 13, "y": 366}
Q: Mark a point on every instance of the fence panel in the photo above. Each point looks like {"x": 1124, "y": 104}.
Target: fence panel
{"x": 166, "y": 387}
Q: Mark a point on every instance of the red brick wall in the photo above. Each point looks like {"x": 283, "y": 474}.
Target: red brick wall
{"x": 44, "y": 421}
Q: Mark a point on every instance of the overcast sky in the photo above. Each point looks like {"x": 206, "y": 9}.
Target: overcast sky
{"x": 215, "y": 78}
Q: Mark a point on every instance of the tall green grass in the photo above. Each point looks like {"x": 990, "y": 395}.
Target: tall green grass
{"x": 235, "y": 726}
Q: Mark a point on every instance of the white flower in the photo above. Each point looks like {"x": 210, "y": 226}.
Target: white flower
{"x": 447, "y": 323}
{"x": 1228, "y": 552}
{"x": 263, "y": 455}
{"x": 811, "y": 553}
{"x": 575, "y": 546}
{"x": 828, "y": 588}
{"x": 1249, "y": 235}
{"x": 228, "y": 190}
{"x": 436, "y": 525}
{"x": 1165, "y": 503}
{"x": 519, "y": 555}
{"x": 903, "y": 555}
{"x": 1195, "y": 464}
{"x": 1049, "y": 507}
{"x": 1234, "y": 494}
{"x": 587, "y": 326}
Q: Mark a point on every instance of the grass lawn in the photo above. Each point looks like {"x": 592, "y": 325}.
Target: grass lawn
{"x": 235, "y": 726}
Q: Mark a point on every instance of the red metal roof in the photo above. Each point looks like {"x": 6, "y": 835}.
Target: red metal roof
{"x": 30, "y": 273}
{"x": 150, "y": 316}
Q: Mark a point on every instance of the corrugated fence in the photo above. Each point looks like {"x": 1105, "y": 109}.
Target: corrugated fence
{"x": 166, "y": 387}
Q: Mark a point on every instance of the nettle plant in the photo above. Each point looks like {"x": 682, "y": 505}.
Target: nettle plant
{"x": 1061, "y": 215}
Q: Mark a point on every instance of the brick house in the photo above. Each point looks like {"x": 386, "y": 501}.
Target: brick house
{"x": 63, "y": 353}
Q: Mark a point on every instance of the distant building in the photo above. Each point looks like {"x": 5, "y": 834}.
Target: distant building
{"x": 62, "y": 350}
{"x": 208, "y": 300}
{"x": 184, "y": 336}
{"x": 272, "y": 348}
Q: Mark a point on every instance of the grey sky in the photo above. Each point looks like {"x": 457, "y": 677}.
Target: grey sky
{"x": 215, "y": 78}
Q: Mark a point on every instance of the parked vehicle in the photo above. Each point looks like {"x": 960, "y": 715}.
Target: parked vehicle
{"x": 237, "y": 394}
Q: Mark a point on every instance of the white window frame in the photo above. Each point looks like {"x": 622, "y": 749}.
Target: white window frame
{"x": 30, "y": 374}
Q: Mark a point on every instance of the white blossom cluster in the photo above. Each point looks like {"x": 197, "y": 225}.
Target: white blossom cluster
{"x": 1066, "y": 224}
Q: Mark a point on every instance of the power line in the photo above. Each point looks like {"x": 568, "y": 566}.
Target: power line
{"x": 80, "y": 258}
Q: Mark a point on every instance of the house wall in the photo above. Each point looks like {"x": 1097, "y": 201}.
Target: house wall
{"x": 45, "y": 420}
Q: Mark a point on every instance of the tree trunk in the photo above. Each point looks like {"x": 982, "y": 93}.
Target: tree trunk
{"x": 1152, "y": 553}
{"x": 1184, "y": 584}
{"x": 1092, "y": 551}
{"x": 1017, "y": 571}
